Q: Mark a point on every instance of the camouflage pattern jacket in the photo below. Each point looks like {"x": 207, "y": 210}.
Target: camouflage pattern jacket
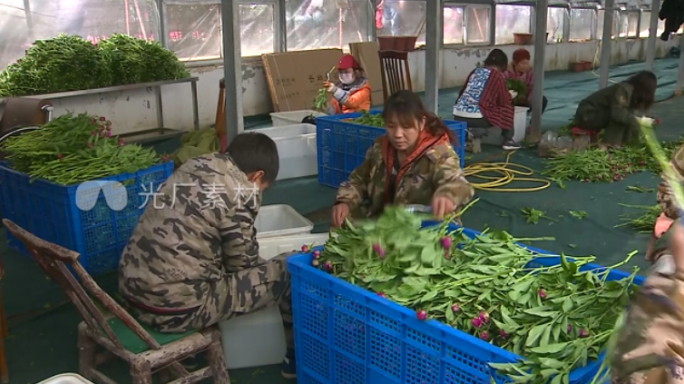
{"x": 432, "y": 169}
{"x": 664, "y": 194}
{"x": 200, "y": 227}
{"x": 650, "y": 345}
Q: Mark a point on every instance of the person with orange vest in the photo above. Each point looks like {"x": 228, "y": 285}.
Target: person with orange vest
{"x": 352, "y": 93}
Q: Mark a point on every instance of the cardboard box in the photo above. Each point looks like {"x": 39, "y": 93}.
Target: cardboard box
{"x": 294, "y": 78}
{"x": 367, "y": 55}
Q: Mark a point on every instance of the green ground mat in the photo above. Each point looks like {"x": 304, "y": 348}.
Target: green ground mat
{"x": 41, "y": 346}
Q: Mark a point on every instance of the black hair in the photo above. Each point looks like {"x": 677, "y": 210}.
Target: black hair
{"x": 643, "y": 96}
{"x": 407, "y": 108}
{"x": 254, "y": 152}
{"x": 497, "y": 59}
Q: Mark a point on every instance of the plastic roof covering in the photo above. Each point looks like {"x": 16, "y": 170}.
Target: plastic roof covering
{"x": 584, "y": 3}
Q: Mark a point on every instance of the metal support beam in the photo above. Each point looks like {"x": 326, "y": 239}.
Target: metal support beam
{"x": 541, "y": 13}
{"x": 29, "y": 18}
{"x": 433, "y": 25}
{"x": 652, "y": 35}
{"x": 163, "y": 27}
{"x": 606, "y": 42}
{"x": 232, "y": 67}
{"x": 680, "y": 68}
{"x": 492, "y": 24}
{"x": 280, "y": 27}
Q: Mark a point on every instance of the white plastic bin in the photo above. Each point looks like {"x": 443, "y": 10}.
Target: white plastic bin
{"x": 520, "y": 124}
{"x": 292, "y": 117}
{"x": 296, "y": 149}
{"x": 258, "y": 338}
{"x": 66, "y": 378}
{"x": 281, "y": 220}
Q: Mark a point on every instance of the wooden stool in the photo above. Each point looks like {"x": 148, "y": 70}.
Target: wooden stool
{"x": 473, "y": 144}
{"x": 577, "y": 132}
{"x": 220, "y": 124}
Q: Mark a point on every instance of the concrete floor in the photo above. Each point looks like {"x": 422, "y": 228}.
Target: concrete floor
{"x": 42, "y": 339}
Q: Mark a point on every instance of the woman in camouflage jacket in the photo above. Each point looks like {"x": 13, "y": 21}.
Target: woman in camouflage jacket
{"x": 414, "y": 163}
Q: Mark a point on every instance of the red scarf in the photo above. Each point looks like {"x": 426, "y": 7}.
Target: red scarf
{"x": 426, "y": 140}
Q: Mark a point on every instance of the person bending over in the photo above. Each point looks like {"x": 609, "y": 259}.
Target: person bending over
{"x": 352, "y": 93}
{"x": 484, "y": 100}
{"x": 520, "y": 69}
{"x": 193, "y": 259}
{"x": 413, "y": 163}
{"x": 612, "y": 109}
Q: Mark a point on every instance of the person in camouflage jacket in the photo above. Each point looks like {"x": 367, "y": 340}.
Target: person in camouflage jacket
{"x": 193, "y": 259}
{"x": 650, "y": 344}
{"x": 414, "y": 163}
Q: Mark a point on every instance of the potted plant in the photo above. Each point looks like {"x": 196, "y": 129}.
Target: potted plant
{"x": 522, "y": 38}
{"x": 577, "y": 66}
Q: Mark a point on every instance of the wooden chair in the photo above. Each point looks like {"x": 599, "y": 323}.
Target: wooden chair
{"x": 220, "y": 122}
{"x": 394, "y": 68}
{"x": 116, "y": 331}
{"x": 4, "y": 374}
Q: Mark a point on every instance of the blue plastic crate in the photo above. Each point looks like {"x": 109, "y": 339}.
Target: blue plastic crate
{"x": 49, "y": 211}
{"x": 345, "y": 334}
{"x": 342, "y": 145}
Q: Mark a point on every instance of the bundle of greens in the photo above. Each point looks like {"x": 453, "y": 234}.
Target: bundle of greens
{"x": 126, "y": 55}
{"x": 70, "y": 63}
{"x": 557, "y": 317}
{"x": 370, "y": 120}
{"x": 595, "y": 165}
{"x": 321, "y": 100}
{"x": 643, "y": 222}
{"x": 64, "y": 63}
{"x": 519, "y": 87}
{"x": 161, "y": 64}
{"x": 73, "y": 149}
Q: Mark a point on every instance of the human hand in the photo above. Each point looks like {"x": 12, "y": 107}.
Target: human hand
{"x": 441, "y": 206}
{"x": 340, "y": 212}
{"x": 329, "y": 87}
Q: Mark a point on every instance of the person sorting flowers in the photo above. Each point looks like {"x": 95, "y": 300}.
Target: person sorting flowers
{"x": 519, "y": 69}
{"x": 484, "y": 101}
{"x": 613, "y": 109}
{"x": 352, "y": 93}
{"x": 413, "y": 163}
{"x": 193, "y": 259}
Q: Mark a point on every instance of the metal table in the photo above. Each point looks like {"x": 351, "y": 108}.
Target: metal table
{"x": 150, "y": 134}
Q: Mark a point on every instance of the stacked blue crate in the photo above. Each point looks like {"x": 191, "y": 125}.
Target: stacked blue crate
{"x": 342, "y": 145}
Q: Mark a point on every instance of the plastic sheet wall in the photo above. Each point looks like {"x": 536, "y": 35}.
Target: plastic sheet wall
{"x": 24, "y": 21}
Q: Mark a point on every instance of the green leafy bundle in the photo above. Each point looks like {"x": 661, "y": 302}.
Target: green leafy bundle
{"x": 70, "y": 63}
{"x": 556, "y": 317}
{"x": 161, "y": 64}
{"x": 516, "y": 85}
{"x": 64, "y": 63}
{"x": 370, "y": 120}
{"x": 596, "y": 165}
{"x": 127, "y": 58}
{"x": 321, "y": 100}
{"x": 73, "y": 149}
{"x": 645, "y": 221}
